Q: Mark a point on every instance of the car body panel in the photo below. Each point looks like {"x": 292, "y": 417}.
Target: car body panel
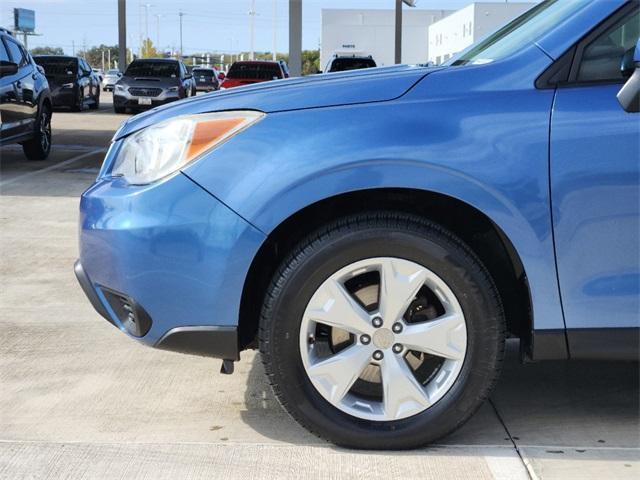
{"x": 595, "y": 180}
{"x": 21, "y": 97}
{"x": 169, "y": 240}
{"x": 473, "y": 150}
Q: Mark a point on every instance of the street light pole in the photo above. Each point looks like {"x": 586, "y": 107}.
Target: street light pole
{"x": 181, "y": 14}
{"x": 275, "y": 28}
{"x": 398, "y": 48}
{"x": 158, "y": 30}
{"x": 252, "y": 27}
{"x": 122, "y": 35}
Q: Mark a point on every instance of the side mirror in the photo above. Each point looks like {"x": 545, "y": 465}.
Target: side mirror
{"x": 188, "y": 76}
{"x": 629, "y": 94}
{"x": 221, "y": 76}
{"x": 40, "y": 69}
{"x": 8, "y": 68}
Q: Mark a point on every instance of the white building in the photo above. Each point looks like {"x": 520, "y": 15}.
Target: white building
{"x": 372, "y": 32}
{"x": 469, "y": 24}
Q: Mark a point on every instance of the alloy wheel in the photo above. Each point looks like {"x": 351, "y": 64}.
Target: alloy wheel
{"x": 383, "y": 339}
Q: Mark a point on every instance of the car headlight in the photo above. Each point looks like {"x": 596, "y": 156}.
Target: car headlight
{"x": 67, "y": 85}
{"x": 164, "y": 148}
{"x": 173, "y": 89}
{"x": 120, "y": 88}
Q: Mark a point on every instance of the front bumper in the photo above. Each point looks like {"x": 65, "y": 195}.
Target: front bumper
{"x": 166, "y": 263}
{"x": 61, "y": 97}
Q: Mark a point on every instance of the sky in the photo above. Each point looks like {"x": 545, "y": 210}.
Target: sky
{"x": 208, "y": 25}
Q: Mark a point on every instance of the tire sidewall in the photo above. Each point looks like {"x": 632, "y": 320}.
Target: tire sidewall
{"x": 440, "y": 254}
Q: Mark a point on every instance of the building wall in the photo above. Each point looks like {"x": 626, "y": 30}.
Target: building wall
{"x": 468, "y": 25}
{"x": 372, "y": 32}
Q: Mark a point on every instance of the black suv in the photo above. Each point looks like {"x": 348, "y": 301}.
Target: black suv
{"x": 73, "y": 82}
{"x": 25, "y": 100}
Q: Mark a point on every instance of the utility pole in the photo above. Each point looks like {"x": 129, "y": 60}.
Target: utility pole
{"x": 295, "y": 37}
{"x": 109, "y": 59}
{"x": 102, "y": 59}
{"x": 122, "y": 35}
{"x": 275, "y": 28}
{"x": 252, "y": 27}
{"x": 181, "y": 14}
{"x": 398, "y": 48}
{"x": 158, "y": 30}
{"x": 146, "y": 28}
{"x": 73, "y": 48}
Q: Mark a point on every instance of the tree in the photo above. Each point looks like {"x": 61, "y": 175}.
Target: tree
{"x": 310, "y": 62}
{"x": 94, "y": 55}
{"x": 148, "y": 50}
{"x": 47, "y": 51}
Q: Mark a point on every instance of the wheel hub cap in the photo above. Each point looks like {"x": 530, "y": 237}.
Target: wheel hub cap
{"x": 383, "y": 338}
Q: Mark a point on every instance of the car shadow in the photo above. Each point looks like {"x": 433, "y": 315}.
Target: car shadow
{"x": 559, "y": 405}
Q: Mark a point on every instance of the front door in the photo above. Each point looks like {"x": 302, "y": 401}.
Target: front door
{"x": 595, "y": 176}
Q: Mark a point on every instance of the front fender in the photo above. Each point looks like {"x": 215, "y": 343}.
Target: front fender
{"x": 477, "y": 153}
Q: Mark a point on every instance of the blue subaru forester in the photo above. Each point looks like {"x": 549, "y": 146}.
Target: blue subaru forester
{"x": 378, "y": 234}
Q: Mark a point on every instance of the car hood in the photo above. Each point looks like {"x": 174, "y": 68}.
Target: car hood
{"x": 344, "y": 88}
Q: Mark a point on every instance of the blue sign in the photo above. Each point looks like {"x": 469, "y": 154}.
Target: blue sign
{"x": 24, "y": 20}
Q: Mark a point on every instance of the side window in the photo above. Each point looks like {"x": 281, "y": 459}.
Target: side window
{"x": 4, "y": 55}
{"x": 15, "y": 52}
{"x": 601, "y": 59}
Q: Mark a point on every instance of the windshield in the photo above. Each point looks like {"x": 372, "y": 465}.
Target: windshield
{"x": 254, "y": 71}
{"x": 152, "y": 69}
{"x": 519, "y": 33}
{"x": 343, "y": 64}
{"x": 58, "y": 65}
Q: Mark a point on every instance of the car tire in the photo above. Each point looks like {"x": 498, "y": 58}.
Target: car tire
{"x": 96, "y": 102}
{"x": 39, "y": 147}
{"x": 400, "y": 240}
{"x": 79, "y": 103}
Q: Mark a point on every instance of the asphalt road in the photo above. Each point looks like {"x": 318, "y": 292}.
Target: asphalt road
{"x": 80, "y": 400}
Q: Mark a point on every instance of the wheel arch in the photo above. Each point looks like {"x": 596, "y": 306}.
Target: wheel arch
{"x": 483, "y": 235}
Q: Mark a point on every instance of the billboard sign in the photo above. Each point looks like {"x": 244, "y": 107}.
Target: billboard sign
{"x": 24, "y": 20}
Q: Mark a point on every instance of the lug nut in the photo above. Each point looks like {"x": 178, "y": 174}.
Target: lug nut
{"x": 378, "y": 355}
{"x": 377, "y": 322}
{"x": 397, "y": 348}
{"x": 397, "y": 327}
{"x": 365, "y": 339}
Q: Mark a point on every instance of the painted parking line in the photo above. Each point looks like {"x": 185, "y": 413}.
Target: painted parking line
{"x": 52, "y": 167}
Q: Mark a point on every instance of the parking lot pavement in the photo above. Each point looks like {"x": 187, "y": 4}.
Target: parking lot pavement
{"x": 80, "y": 400}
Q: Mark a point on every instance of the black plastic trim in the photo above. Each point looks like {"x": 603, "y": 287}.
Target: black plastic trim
{"x": 604, "y": 343}
{"x": 89, "y": 291}
{"x": 130, "y": 313}
{"x": 216, "y": 342}
{"x": 549, "y": 345}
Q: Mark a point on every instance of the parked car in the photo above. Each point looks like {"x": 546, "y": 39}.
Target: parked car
{"x": 151, "y": 82}
{"x": 379, "y": 233}
{"x": 110, "y": 79}
{"x": 207, "y": 79}
{"x": 342, "y": 63}
{"x": 25, "y": 100}
{"x": 253, "y": 71}
{"x": 73, "y": 84}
